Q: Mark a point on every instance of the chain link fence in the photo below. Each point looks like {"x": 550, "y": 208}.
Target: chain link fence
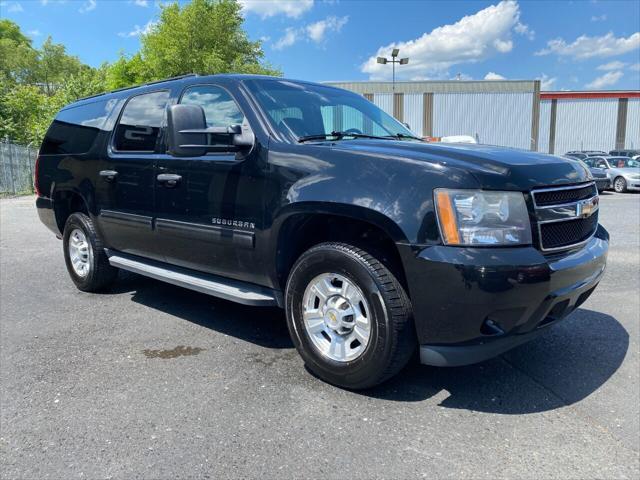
{"x": 16, "y": 169}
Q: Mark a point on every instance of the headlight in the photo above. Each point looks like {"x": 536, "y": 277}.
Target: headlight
{"x": 474, "y": 217}
{"x": 634, "y": 177}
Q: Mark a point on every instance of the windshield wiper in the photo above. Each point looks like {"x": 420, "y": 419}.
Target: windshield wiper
{"x": 403, "y": 135}
{"x": 338, "y": 136}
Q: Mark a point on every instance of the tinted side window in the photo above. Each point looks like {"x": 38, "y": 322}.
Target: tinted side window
{"x": 140, "y": 122}
{"x": 75, "y": 129}
{"x": 219, "y": 107}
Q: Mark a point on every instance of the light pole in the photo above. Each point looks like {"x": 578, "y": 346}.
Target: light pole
{"x": 393, "y": 61}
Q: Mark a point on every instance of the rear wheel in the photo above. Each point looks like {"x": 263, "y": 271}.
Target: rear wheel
{"x": 620, "y": 185}
{"x": 348, "y": 316}
{"x": 84, "y": 255}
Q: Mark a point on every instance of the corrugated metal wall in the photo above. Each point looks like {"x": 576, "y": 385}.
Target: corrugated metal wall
{"x": 545, "y": 123}
{"x": 586, "y": 124}
{"x": 384, "y": 101}
{"x": 497, "y": 118}
{"x": 414, "y": 112}
{"x": 632, "y": 137}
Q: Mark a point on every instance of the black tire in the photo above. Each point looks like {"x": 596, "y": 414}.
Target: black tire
{"x": 392, "y": 339}
{"x": 101, "y": 274}
{"x": 620, "y": 184}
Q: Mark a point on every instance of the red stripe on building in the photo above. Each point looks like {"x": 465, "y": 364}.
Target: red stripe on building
{"x": 584, "y": 95}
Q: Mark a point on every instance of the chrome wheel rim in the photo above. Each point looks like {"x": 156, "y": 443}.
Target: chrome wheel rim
{"x": 336, "y": 317}
{"x": 619, "y": 185}
{"x": 80, "y": 253}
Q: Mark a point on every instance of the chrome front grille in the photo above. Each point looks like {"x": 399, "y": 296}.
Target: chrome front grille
{"x": 565, "y": 216}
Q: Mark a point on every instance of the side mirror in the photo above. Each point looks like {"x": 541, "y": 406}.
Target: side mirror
{"x": 181, "y": 118}
{"x": 188, "y": 133}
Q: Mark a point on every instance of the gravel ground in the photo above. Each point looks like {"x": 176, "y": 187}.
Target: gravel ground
{"x": 153, "y": 381}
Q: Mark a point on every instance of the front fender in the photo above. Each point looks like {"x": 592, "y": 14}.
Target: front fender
{"x": 394, "y": 193}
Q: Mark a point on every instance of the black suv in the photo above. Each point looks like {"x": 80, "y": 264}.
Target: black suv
{"x": 268, "y": 191}
{"x": 624, "y": 153}
{"x": 582, "y": 154}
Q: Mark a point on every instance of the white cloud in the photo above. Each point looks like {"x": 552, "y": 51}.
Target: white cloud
{"x": 524, "y": 30}
{"x": 88, "y": 6}
{"x": 471, "y": 39}
{"x": 138, "y": 30}
{"x": 547, "y": 82}
{"x": 494, "y": 76}
{"x": 34, "y": 33}
{"x": 141, "y": 3}
{"x": 12, "y": 7}
{"x": 599, "y": 18}
{"x": 317, "y": 30}
{"x": 290, "y": 37}
{"x": 615, "y": 65}
{"x": 635, "y": 67}
{"x": 588, "y": 47}
{"x": 606, "y": 80}
{"x": 270, "y": 8}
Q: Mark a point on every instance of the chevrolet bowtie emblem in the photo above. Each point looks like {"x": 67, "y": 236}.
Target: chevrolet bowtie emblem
{"x": 586, "y": 208}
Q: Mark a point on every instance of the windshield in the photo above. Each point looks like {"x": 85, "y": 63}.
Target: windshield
{"x": 307, "y": 110}
{"x": 623, "y": 162}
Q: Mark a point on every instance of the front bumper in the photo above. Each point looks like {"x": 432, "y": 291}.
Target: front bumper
{"x": 471, "y": 304}
{"x": 633, "y": 185}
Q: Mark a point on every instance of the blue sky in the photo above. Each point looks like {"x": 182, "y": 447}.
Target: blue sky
{"x": 570, "y": 45}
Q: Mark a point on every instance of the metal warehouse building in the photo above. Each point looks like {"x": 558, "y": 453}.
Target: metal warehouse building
{"x": 511, "y": 113}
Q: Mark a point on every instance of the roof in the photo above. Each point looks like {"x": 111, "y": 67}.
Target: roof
{"x": 441, "y": 86}
{"x": 143, "y": 86}
{"x": 570, "y": 95}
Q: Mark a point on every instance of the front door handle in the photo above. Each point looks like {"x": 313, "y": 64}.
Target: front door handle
{"x": 169, "y": 180}
{"x": 108, "y": 175}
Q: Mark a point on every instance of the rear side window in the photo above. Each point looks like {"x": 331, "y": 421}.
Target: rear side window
{"x": 75, "y": 129}
{"x": 140, "y": 123}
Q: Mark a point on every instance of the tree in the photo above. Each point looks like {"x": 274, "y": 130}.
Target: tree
{"x": 18, "y": 59}
{"x": 204, "y": 37}
{"x": 55, "y": 66}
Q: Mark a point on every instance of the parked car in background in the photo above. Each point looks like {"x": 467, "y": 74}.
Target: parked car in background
{"x": 623, "y": 172}
{"x": 598, "y": 172}
{"x": 582, "y": 154}
{"x": 452, "y": 139}
{"x": 625, "y": 153}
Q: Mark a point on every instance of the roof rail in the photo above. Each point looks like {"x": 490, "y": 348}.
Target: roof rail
{"x": 137, "y": 86}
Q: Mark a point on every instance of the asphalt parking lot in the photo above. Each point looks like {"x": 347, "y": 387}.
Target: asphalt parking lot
{"x": 153, "y": 381}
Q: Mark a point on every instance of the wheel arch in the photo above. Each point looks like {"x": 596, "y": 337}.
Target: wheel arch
{"x": 312, "y": 223}
{"x": 66, "y": 202}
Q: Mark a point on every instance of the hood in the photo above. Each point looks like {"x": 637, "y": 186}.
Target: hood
{"x": 494, "y": 168}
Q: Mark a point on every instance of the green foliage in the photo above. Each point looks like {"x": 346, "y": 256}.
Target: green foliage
{"x": 18, "y": 59}
{"x": 204, "y": 37}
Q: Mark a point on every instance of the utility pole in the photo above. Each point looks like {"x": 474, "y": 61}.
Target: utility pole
{"x": 393, "y": 61}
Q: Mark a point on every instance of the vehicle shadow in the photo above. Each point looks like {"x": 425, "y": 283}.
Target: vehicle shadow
{"x": 265, "y": 327}
{"x": 563, "y": 366}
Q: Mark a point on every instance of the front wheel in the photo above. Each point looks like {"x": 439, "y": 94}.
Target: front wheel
{"x": 87, "y": 263}
{"x": 349, "y": 317}
{"x": 620, "y": 185}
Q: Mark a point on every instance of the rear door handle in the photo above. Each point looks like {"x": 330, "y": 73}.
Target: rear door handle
{"x": 108, "y": 175}
{"x": 169, "y": 180}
